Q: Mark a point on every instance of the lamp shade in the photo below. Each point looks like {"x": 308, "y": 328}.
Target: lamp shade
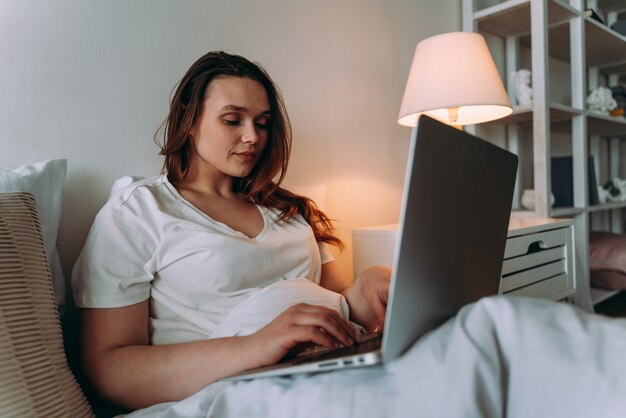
{"x": 453, "y": 79}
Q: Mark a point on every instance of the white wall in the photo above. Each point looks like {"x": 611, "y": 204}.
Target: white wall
{"x": 90, "y": 80}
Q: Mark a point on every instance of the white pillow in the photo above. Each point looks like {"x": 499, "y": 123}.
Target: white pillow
{"x": 45, "y": 181}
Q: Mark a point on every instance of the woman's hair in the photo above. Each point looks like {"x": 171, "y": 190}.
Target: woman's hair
{"x": 262, "y": 185}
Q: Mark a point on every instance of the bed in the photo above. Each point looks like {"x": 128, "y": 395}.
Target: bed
{"x": 502, "y": 356}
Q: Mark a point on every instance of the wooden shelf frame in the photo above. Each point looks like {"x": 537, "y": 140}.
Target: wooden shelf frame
{"x": 612, "y": 5}
{"x": 604, "y": 47}
{"x": 600, "y": 295}
{"x": 604, "y": 125}
{"x": 523, "y": 115}
{"x": 560, "y": 119}
{"x": 566, "y": 212}
{"x": 607, "y": 206}
{"x": 617, "y": 68}
{"x": 558, "y": 30}
{"x": 513, "y": 17}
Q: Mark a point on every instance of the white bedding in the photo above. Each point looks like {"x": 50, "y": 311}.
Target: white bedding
{"x": 266, "y": 304}
{"x": 502, "y": 356}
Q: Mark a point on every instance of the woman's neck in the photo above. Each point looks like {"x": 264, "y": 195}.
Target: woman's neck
{"x": 209, "y": 183}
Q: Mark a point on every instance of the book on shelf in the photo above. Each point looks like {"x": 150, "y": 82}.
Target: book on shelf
{"x": 619, "y": 27}
{"x": 594, "y": 199}
{"x": 595, "y": 16}
{"x": 563, "y": 181}
{"x": 619, "y": 95}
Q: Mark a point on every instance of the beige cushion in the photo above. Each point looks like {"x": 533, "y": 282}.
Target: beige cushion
{"x": 607, "y": 260}
{"x": 35, "y": 378}
{"x": 607, "y": 251}
{"x": 608, "y": 279}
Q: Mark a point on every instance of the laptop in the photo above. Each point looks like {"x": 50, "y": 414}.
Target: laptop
{"x": 457, "y": 199}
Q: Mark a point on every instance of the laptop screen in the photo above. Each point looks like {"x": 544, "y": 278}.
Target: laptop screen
{"x": 457, "y": 201}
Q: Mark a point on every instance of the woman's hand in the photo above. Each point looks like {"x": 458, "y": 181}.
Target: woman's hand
{"x": 367, "y": 298}
{"x": 301, "y": 323}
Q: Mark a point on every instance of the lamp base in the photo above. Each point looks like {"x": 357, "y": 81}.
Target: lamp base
{"x": 453, "y": 116}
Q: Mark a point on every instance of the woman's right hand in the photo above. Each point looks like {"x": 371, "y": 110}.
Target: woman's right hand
{"x": 301, "y": 323}
{"x": 126, "y": 370}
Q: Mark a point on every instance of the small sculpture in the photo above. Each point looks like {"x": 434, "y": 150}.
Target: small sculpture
{"x": 612, "y": 191}
{"x": 528, "y": 199}
{"x": 601, "y": 100}
{"x": 603, "y": 195}
{"x": 521, "y": 85}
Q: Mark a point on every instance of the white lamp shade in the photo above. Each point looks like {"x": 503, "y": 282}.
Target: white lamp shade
{"x": 453, "y": 76}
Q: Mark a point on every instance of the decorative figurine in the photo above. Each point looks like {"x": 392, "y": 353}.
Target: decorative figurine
{"x": 601, "y": 100}
{"x": 528, "y": 199}
{"x": 614, "y": 190}
{"x": 521, "y": 84}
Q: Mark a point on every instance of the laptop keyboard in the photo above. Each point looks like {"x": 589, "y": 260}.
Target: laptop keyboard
{"x": 370, "y": 343}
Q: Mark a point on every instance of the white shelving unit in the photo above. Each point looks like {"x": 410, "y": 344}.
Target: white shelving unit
{"x": 569, "y": 54}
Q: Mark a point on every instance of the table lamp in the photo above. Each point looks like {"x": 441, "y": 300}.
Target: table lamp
{"x": 453, "y": 79}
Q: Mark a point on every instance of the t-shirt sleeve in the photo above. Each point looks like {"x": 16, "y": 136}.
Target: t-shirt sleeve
{"x": 113, "y": 269}
{"x": 325, "y": 255}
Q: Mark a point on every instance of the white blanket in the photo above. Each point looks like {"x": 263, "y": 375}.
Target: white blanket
{"x": 502, "y": 356}
{"x": 266, "y": 304}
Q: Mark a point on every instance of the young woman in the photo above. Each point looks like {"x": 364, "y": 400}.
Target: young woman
{"x": 169, "y": 257}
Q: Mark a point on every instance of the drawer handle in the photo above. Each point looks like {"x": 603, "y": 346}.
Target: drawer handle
{"x": 536, "y": 246}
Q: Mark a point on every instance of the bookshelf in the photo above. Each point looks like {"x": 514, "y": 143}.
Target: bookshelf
{"x": 569, "y": 54}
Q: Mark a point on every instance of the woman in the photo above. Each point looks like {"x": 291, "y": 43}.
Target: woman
{"x": 169, "y": 257}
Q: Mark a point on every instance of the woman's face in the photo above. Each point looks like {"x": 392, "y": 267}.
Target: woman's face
{"x": 232, "y": 130}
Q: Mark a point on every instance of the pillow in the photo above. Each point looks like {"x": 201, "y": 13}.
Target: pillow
{"x": 36, "y": 379}
{"x": 608, "y": 279}
{"x": 45, "y": 181}
{"x": 607, "y": 260}
{"x": 607, "y": 251}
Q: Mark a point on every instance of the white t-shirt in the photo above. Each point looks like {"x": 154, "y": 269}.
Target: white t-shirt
{"x": 148, "y": 242}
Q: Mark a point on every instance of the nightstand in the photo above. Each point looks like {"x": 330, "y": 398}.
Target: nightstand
{"x": 538, "y": 257}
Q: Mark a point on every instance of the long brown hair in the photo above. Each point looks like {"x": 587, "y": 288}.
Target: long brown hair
{"x": 262, "y": 185}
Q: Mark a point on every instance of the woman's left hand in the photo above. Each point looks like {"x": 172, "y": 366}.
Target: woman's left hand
{"x": 367, "y": 298}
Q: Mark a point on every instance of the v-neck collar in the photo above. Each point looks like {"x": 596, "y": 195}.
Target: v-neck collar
{"x": 262, "y": 210}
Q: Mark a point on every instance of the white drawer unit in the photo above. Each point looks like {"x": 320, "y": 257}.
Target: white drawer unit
{"x": 538, "y": 259}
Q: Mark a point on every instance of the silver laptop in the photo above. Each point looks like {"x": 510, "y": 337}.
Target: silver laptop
{"x": 457, "y": 200}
